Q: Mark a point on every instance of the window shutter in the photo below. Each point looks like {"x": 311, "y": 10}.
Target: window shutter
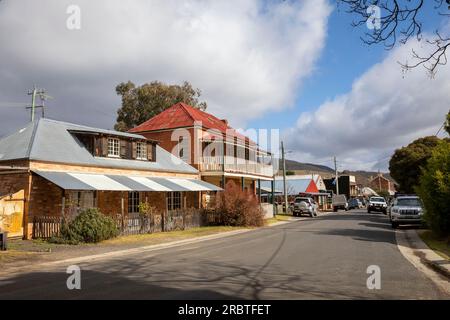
{"x": 151, "y": 152}
{"x": 103, "y": 146}
{"x": 97, "y": 146}
{"x": 133, "y": 150}
{"x": 123, "y": 148}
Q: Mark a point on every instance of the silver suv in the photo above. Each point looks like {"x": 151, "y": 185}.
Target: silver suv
{"x": 304, "y": 205}
{"x": 406, "y": 210}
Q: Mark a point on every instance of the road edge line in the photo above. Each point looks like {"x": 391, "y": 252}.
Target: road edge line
{"x": 414, "y": 257}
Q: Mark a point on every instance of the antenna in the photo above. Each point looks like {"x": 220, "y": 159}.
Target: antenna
{"x": 42, "y": 96}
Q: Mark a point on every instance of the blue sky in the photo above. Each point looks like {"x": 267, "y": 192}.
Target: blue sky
{"x": 344, "y": 58}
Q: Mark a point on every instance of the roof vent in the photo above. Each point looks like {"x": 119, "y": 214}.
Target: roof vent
{"x": 224, "y": 121}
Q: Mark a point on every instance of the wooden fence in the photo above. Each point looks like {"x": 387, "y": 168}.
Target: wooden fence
{"x": 168, "y": 221}
{"x": 46, "y": 227}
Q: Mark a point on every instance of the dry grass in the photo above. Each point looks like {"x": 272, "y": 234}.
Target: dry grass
{"x": 439, "y": 245}
{"x": 279, "y": 217}
{"x": 160, "y": 237}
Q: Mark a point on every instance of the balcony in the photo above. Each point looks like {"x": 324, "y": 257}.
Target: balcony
{"x": 230, "y": 164}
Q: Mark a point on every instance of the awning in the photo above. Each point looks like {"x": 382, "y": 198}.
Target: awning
{"x": 106, "y": 182}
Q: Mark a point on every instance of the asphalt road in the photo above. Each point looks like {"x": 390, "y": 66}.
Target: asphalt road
{"x": 321, "y": 258}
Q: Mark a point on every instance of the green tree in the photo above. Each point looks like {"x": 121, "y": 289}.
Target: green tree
{"x": 406, "y": 163}
{"x": 140, "y": 103}
{"x": 434, "y": 189}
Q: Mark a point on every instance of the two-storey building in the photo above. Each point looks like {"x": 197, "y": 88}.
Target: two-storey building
{"x": 218, "y": 151}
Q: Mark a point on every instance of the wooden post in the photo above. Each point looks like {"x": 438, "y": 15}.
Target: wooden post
{"x": 122, "y": 209}
{"x": 26, "y": 207}
{"x": 63, "y": 206}
{"x": 259, "y": 190}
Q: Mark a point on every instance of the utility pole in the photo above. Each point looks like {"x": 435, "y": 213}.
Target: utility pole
{"x": 33, "y": 101}
{"x": 336, "y": 180}
{"x": 284, "y": 177}
{"x": 42, "y": 95}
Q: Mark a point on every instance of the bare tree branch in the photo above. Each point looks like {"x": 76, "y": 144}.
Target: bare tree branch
{"x": 399, "y": 21}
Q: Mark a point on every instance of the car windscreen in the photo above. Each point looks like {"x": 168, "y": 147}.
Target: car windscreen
{"x": 377, "y": 199}
{"x": 301, "y": 199}
{"x": 409, "y": 202}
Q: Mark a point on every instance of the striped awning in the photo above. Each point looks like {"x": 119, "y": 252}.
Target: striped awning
{"x": 106, "y": 182}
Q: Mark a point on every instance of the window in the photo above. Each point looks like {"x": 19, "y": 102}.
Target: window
{"x": 141, "y": 151}
{"x": 182, "y": 149}
{"x": 133, "y": 202}
{"x": 174, "y": 200}
{"x": 80, "y": 200}
{"x": 113, "y": 147}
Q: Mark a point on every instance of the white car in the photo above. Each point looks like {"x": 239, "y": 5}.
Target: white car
{"x": 304, "y": 205}
{"x": 406, "y": 210}
{"x": 377, "y": 204}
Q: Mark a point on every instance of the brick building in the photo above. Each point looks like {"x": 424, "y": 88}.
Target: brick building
{"x": 57, "y": 166}
{"x": 219, "y": 152}
{"x": 381, "y": 183}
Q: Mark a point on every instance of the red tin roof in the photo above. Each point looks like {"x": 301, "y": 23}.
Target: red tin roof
{"x": 182, "y": 115}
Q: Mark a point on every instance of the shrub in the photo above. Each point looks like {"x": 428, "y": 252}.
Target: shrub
{"x": 434, "y": 189}
{"x": 89, "y": 226}
{"x": 238, "y": 208}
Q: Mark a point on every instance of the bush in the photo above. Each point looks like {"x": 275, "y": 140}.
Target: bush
{"x": 89, "y": 226}
{"x": 434, "y": 190}
{"x": 239, "y": 208}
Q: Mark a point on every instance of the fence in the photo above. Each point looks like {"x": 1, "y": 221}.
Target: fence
{"x": 46, "y": 227}
{"x": 168, "y": 221}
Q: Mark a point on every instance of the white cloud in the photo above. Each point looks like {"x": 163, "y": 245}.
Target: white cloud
{"x": 248, "y": 57}
{"x": 384, "y": 110}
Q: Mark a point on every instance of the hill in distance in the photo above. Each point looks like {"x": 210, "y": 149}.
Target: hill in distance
{"x": 362, "y": 177}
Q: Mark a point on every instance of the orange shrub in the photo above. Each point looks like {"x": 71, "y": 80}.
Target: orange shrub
{"x": 239, "y": 208}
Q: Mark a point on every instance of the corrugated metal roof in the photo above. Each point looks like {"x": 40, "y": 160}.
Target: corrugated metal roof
{"x": 294, "y": 186}
{"x": 102, "y": 182}
{"x": 50, "y": 140}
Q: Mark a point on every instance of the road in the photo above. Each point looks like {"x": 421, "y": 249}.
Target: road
{"x": 321, "y": 258}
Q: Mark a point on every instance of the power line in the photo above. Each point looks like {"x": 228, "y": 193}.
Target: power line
{"x": 440, "y": 128}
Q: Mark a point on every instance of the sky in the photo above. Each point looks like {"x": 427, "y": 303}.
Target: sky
{"x": 297, "y": 66}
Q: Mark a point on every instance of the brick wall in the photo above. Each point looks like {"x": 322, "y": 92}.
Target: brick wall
{"x": 45, "y": 198}
{"x": 165, "y": 141}
{"x": 385, "y": 184}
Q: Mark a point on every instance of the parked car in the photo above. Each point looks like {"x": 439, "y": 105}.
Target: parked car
{"x": 304, "y": 205}
{"x": 339, "y": 202}
{"x": 406, "y": 209}
{"x": 377, "y": 204}
{"x": 354, "y": 204}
